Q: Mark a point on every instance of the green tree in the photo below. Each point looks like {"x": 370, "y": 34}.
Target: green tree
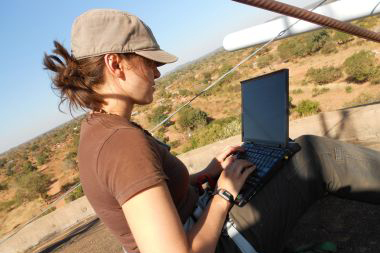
{"x": 34, "y": 182}
{"x": 159, "y": 114}
{"x": 191, "y": 118}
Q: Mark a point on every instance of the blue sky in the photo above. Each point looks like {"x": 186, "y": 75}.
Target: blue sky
{"x": 188, "y": 29}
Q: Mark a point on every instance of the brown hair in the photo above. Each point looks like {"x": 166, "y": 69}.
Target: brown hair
{"x": 75, "y": 80}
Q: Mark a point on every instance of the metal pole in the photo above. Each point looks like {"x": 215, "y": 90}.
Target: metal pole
{"x": 289, "y": 10}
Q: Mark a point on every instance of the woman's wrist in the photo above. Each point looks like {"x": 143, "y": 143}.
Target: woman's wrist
{"x": 224, "y": 196}
{"x": 222, "y": 203}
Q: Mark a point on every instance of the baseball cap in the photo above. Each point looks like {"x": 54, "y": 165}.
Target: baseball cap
{"x": 102, "y": 31}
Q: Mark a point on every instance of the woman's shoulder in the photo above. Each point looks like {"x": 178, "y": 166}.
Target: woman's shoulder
{"x": 99, "y": 130}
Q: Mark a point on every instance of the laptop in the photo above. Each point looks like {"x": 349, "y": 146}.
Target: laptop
{"x": 265, "y": 129}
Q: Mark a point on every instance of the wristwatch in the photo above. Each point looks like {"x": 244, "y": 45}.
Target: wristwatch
{"x": 224, "y": 194}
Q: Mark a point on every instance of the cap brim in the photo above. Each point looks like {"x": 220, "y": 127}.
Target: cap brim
{"x": 158, "y": 56}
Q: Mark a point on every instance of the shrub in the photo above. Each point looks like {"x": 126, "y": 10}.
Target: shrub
{"x": 10, "y": 169}
{"x": 42, "y": 158}
{"x": 375, "y": 78}
{"x": 291, "y": 48}
{"x": 159, "y": 114}
{"x": 206, "y": 77}
{"x": 317, "y": 91}
{"x": 75, "y": 194}
{"x": 342, "y": 38}
{"x": 291, "y": 105}
{"x": 70, "y": 161}
{"x": 191, "y": 118}
{"x": 226, "y": 80}
{"x": 184, "y": 92}
{"x": 60, "y": 135}
{"x": 34, "y": 183}
{"x": 303, "y": 45}
{"x": 51, "y": 209}
{"x": 76, "y": 138}
{"x": 34, "y": 147}
{"x": 3, "y": 186}
{"x": 361, "y": 66}
{"x": 224, "y": 69}
{"x": 265, "y": 60}
{"x": 7, "y": 205}
{"x": 160, "y": 135}
{"x": 216, "y": 130}
{"x": 324, "y": 75}
{"x": 348, "y": 89}
{"x": 363, "y": 98}
{"x": 24, "y": 195}
{"x": 3, "y": 161}
{"x": 162, "y": 93}
{"x": 297, "y": 91}
{"x": 368, "y": 22}
{"x": 329, "y": 48}
{"x": 28, "y": 166}
{"x": 316, "y": 40}
{"x": 307, "y": 107}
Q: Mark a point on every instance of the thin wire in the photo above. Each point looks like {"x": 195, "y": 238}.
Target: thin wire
{"x": 172, "y": 114}
{"x": 230, "y": 71}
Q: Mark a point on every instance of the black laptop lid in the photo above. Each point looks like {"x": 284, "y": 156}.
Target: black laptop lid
{"x": 265, "y": 102}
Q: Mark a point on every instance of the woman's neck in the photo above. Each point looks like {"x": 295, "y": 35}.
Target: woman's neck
{"x": 122, "y": 108}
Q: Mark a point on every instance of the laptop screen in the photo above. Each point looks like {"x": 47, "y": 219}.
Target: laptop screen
{"x": 265, "y": 105}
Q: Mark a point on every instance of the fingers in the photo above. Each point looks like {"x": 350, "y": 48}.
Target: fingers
{"x": 228, "y": 161}
{"x": 228, "y": 151}
{"x": 239, "y": 166}
{"x": 233, "y": 177}
{"x": 247, "y": 171}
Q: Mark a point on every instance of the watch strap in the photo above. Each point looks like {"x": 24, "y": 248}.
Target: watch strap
{"x": 224, "y": 194}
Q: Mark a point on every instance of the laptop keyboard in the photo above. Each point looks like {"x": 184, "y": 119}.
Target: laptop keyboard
{"x": 265, "y": 158}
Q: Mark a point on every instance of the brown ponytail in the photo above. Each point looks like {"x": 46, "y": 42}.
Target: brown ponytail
{"x": 75, "y": 79}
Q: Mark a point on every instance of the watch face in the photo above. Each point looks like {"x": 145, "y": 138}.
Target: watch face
{"x": 226, "y": 195}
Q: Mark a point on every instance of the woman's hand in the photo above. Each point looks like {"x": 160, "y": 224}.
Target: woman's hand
{"x": 219, "y": 163}
{"x": 233, "y": 177}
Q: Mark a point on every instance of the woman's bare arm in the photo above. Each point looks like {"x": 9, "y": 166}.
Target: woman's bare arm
{"x": 154, "y": 222}
{"x": 156, "y": 226}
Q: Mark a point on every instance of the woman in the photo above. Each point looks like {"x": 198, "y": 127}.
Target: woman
{"x": 144, "y": 194}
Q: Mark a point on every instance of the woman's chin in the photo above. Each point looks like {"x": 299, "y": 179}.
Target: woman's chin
{"x": 145, "y": 101}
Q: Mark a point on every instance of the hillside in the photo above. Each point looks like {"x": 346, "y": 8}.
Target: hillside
{"x": 328, "y": 70}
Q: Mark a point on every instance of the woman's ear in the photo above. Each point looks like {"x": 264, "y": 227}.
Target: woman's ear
{"x": 114, "y": 66}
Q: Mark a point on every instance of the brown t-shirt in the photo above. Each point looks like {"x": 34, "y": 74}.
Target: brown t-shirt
{"x": 117, "y": 160}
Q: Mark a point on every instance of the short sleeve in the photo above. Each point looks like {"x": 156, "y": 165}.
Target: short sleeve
{"x": 129, "y": 163}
